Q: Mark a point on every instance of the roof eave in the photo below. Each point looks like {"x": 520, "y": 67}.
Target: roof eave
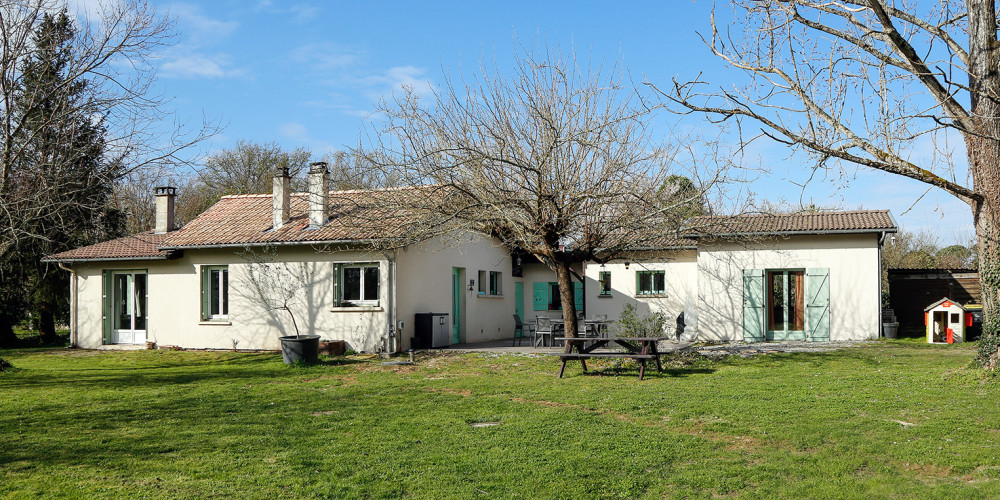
{"x": 266, "y": 243}
{"x": 793, "y": 233}
{"x": 104, "y": 259}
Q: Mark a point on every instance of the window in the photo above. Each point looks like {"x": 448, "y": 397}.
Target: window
{"x": 605, "y": 280}
{"x": 489, "y": 283}
{"x": 650, "y": 282}
{"x": 215, "y": 292}
{"x": 785, "y": 301}
{"x": 358, "y": 284}
{"x": 495, "y": 283}
{"x": 555, "y": 298}
{"x": 547, "y": 298}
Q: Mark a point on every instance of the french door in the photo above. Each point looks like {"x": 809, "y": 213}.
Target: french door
{"x": 786, "y": 308}
{"x": 129, "y": 299}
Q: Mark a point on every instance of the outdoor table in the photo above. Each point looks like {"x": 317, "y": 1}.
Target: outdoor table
{"x": 638, "y": 348}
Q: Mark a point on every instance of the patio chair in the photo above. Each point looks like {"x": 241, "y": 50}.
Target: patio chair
{"x": 521, "y": 329}
{"x": 543, "y": 329}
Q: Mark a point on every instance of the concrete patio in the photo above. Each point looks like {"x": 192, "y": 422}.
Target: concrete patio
{"x": 508, "y": 346}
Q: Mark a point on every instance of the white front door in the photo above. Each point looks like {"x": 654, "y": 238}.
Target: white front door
{"x": 129, "y": 307}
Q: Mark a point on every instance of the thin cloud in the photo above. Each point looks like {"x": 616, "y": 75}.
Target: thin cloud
{"x": 199, "y": 66}
{"x": 395, "y": 79}
{"x": 325, "y": 56}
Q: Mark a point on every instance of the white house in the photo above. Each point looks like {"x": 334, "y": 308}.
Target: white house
{"x": 190, "y": 287}
{"x": 812, "y": 276}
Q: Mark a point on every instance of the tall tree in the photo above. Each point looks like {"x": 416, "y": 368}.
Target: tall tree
{"x": 246, "y": 168}
{"x": 553, "y": 159}
{"x": 866, "y": 82}
{"x": 77, "y": 112}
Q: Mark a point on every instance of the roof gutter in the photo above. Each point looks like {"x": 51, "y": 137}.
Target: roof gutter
{"x": 105, "y": 259}
{"x": 266, "y": 243}
{"x": 795, "y": 233}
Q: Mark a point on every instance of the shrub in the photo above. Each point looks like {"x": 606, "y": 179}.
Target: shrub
{"x": 631, "y": 324}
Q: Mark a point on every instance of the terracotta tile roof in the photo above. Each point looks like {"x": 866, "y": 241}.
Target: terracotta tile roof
{"x": 859, "y": 221}
{"x": 142, "y": 246}
{"x": 355, "y": 216}
{"x": 669, "y": 242}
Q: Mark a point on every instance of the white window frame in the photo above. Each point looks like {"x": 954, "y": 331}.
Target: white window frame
{"x": 362, "y": 301}
{"x": 222, "y": 300}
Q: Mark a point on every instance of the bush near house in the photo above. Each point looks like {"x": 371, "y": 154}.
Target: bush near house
{"x": 894, "y": 419}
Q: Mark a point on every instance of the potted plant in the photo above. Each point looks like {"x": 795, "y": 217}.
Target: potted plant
{"x": 277, "y": 286}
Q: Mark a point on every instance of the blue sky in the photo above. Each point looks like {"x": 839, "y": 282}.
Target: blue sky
{"x": 308, "y": 73}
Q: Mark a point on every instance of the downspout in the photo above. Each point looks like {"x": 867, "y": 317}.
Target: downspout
{"x": 73, "y": 290}
{"x": 878, "y": 331}
{"x": 392, "y": 333}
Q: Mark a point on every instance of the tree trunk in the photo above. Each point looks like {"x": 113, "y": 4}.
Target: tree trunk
{"x": 565, "y": 280}
{"x": 983, "y": 149}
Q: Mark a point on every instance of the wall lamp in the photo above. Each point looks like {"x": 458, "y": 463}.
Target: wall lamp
{"x": 626, "y": 264}
{"x": 472, "y": 285}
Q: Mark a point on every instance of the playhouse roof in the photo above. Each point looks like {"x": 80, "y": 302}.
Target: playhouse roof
{"x": 942, "y": 301}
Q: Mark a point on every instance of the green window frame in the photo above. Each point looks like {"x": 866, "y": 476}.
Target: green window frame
{"x": 650, "y": 283}
{"x": 495, "y": 283}
{"x": 546, "y": 296}
{"x": 214, "y": 293}
{"x": 604, "y": 278}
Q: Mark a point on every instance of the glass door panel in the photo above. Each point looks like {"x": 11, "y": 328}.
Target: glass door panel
{"x": 129, "y": 307}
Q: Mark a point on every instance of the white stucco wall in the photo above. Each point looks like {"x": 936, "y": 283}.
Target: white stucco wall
{"x": 681, "y": 287}
{"x": 174, "y": 302}
{"x": 853, "y": 261}
{"x": 424, "y": 284}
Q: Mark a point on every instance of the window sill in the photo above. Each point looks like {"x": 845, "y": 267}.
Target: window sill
{"x": 357, "y": 309}
{"x": 605, "y": 296}
{"x": 216, "y": 322}
{"x": 484, "y": 296}
{"x": 651, "y": 296}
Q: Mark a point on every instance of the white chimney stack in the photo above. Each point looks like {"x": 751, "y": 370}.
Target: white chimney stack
{"x": 164, "y": 209}
{"x": 319, "y": 194}
{"x": 281, "y": 196}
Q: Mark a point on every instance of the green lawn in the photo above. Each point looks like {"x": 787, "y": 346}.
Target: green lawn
{"x": 886, "y": 420}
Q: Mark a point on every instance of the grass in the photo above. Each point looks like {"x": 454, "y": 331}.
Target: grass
{"x": 896, "y": 419}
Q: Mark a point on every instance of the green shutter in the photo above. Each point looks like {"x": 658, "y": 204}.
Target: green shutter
{"x": 578, "y": 295}
{"x": 541, "y": 296}
{"x": 753, "y": 305}
{"x": 818, "y": 304}
{"x": 205, "y": 276}
{"x": 338, "y": 271}
{"x": 107, "y": 306}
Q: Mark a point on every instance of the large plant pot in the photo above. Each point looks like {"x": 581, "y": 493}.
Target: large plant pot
{"x": 890, "y": 330}
{"x": 304, "y": 349}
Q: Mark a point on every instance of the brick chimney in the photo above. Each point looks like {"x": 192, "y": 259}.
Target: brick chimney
{"x": 281, "y": 196}
{"x": 164, "y": 209}
{"x": 319, "y": 194}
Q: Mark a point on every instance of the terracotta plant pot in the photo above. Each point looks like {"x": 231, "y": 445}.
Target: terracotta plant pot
{"x": 332, "y": 348}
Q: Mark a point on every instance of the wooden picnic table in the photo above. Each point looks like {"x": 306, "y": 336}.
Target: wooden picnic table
{"x": 637, "y": 348}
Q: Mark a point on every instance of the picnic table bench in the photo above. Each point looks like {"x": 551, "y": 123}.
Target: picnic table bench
{"x": 640, "y": 349}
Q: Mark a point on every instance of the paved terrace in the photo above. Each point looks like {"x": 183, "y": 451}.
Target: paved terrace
{"x": 719, "y": 350}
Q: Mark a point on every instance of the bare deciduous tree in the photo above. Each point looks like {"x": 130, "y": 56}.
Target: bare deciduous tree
{"x": 61, "y": 79}
{"x": 554, "y": 159}
{"x": 867, "y": 82}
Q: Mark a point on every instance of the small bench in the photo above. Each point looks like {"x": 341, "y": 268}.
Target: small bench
{"x": 638, "y": 348}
